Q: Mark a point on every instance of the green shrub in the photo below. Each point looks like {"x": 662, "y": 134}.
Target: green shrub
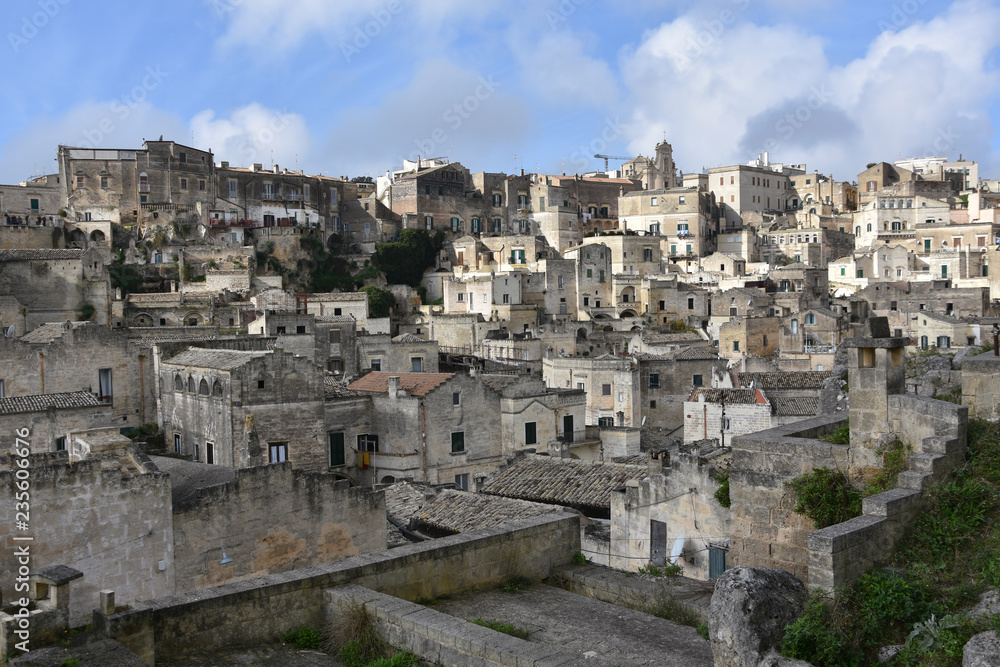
{"x": 703, "y": 631}
{"x": 722, "y": 493}
{"x": 579, "y": 558}
{"x": 302, "y": 638}
{"x": 842, "y": 436}
{"x": 506, "y": 628}
{"x": 826, "y": 497}
{"x": 668, "y": 570}
{"x": 87, "y": 311}
{"x": 895, "y": 459}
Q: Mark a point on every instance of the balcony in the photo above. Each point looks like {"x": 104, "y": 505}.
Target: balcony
{"x": 267, "y": 196}
{"x": 819, "y": 349}
{"x": 582, "y": 437}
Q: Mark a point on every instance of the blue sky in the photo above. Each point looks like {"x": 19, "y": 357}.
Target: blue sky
{"x": 344, "y": 88}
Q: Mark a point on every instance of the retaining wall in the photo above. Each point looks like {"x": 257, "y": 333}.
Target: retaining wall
{"x": 263, "y": 609}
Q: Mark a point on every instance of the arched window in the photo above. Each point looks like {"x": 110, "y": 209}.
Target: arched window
{"x": 190, "y": 384}
{"x": 857, "y": 230}
{"x": 869, "y": 226}
{"x": 203, "y": 387}
{"x": 217, "y": 389}
{"x": 178, "y": 383}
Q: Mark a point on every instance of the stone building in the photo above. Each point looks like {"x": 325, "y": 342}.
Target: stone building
{"x": 57, "y": 285}
{"x": 742, "y": 189}
{"x": 231, "y": 407}
{"x": 611, "y": 383}
{"x": 667, "y": 381}
{"x": 685, "y": 219}
{"x": 51, "y": 418}
{"x": 725, "y": 413}
{"x": 743, "y": 336}
{"x": 430, "y": 427}
{"x": 544, "y": 419}
{"x": 41, "y": 196}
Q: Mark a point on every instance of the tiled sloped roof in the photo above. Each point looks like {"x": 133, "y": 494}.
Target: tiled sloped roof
{"x": 458, "y": 511}
{"x": 731, "y": 396}
{"x": 408, "y": 338}
{"x": 154, "y": 297}
{"x": 27, "y": 254}
{"x": 418, "y": 384}
{"x": 223, "y": 360}
{"x": 784, "y": 379}
{"x": 334, "y": 387}
{"x": 698, "y": 353}
{"x": 338, "y": 296}
{"x": 562, "y": 482}
{"x": 795, "y": 407}
{"x": 50, "y": 331}
{"x": 41, "y": 402}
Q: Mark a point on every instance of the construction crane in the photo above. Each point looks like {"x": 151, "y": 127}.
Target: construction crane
{"x": 611, "y": 157}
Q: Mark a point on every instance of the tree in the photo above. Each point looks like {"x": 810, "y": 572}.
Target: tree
{"x": 380, "y": 301}
{"x": 405, "y": 260}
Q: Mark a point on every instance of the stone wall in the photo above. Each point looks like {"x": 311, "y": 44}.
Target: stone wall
{"x": 765, "y": 531}
{"x": 273, "y": 519}
{"x": 936, "y": 432}
{"x": 263, "y": 609}
{"x": 113, "y": 527}
{"x": 981, "y": 385}
{"x": 47, "y": 425}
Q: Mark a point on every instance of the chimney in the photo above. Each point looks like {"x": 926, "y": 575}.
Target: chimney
{"x": 393, "y": 387}
{"x": 656, "y": 462}
{"x": 224, "y": 164}
{"x": 257, "y": 166}
{"x": 277, "y": 169}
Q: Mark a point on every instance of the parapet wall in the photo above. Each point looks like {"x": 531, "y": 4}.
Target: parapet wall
{"x": 263, "y": 609}
{"x": 981, "y": 386}
{"x": 765, "y": 529}
{"x": 936, "y": 433}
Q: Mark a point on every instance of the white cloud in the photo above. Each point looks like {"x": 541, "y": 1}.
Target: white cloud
{"x": 725, "y": 91}
{"x": 107, "y": 124}
{"x": 556, "y": 69}
{"x": 254, "y": 133}
{"x": 445, "y": 110}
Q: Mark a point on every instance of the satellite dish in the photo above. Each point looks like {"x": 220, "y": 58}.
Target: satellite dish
{"x": 9, "y": 332}
{"x": 643, "y": 421}
{"x": 678, "y": 549}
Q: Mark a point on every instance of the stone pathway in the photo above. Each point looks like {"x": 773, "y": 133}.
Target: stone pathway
{"x": 596, "y": 631}
{"x": 257, "y": 656}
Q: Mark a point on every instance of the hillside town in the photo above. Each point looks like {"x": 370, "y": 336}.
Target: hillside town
{"x": 242, "y": 381}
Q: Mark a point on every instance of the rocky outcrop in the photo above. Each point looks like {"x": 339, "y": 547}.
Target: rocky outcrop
{"x": 748, "y": 614}
{"x": 775, "y": 659}
{"x": 983, "y": 650}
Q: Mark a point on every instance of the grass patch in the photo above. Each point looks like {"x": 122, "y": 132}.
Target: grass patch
{"x": 668, "y": 570}
{"x": 516, "y": 584}
{"x": 303, "y": 638}
{"x": 356, "y": 644}
{"x": 950, "y": 557}
{"x": 895, "y": 459}
{"x": 669, "y": 608}
{"x": 506, "y": 628}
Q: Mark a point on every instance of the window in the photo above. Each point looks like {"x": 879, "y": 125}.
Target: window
{"x": 530, "y": 435}
{"x": 375, "y": 364}
{"x": 277, "y": 452}
{"x": 458, "y": 442}
{"x": 184, "y": 184}
{"x": 461, "y": 297}
{"x": 79, "y": 182}
{"x": 210, "y": 453}
{"x": 652, "y": 404}
{"x": 605, "y": 390}
{"x": 696, "y": 380}
{"x": 456, "y": 398}
{"x": 61, "y": 444}
{"x": 105, "y": 392}
{"x": 654, "y": 380}
{"x": 334, "y": 336}
{"x": 690, "y": 303}
{"x": 417, "y": 364}
{"x": 653, "y": 201}
{"x": 300, "y": 328}
{"x": 335, "y": 365}
{"x": 203, "y": 387}
{"x": 736, "y": 346}
{"x": 197, "y": 453}
{"x": 590, "y": 273}
{"x": 861, "y": 273}
{"x": 680, "y": 200}
{"x": 497, "y": 200}
{"x": 104, "y": 181}
{"x": 605, "y": 422}
{"x": 217, "y": 389}
{"x": 178, "y": 383}
{"x": 337, "y": 457}
{"x": 232, "y": 188}
{"x": 182, "y": 157}
{"x": 462, "y": 481}
{"x": 810, "y": 318}
{"x": 280, "y": 331}
{"x": 260, "y": 384}
{"x": 455, "y": 224}
{"x": 367, "y": 442}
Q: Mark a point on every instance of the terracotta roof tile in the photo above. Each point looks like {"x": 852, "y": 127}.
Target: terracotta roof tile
{"x": 784, "y": 379}
{"x": 418, "y": 384}
{"x": 42, "y": 402}
{"x": 731, "y": 396}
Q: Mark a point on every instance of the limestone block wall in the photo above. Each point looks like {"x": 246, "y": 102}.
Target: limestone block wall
{"x": 263, "y": 609}
{"x": 981, "y": 386}
{"x": 273, "y": 519}
{"x": 112, "y": 527}
{"x": 764, "y": 530}
{"x": 936, "y": 431}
